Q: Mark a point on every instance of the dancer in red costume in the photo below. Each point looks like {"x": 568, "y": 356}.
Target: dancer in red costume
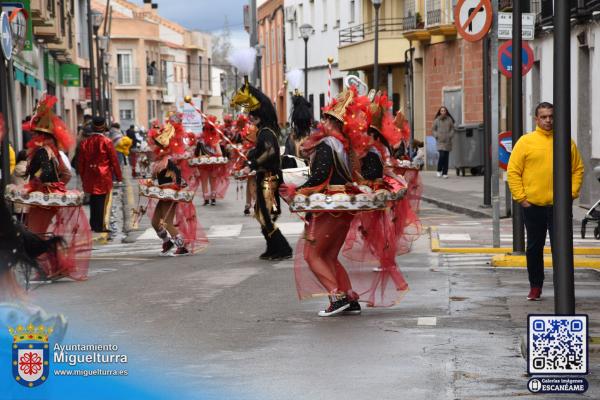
{"x": 375, "y": 236}
{"x": 334, "y": 151}
{"x": 59, "y": 213}
{"x": 214, "y": 177}
{"x": 246, "y": 135}
{"x": 173, "y": 217}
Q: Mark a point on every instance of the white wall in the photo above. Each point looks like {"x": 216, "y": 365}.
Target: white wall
{"x": 322, "y": 44}
{"x": 595, "y": 91}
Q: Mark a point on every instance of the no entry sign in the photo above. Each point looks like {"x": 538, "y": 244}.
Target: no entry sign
{"x": 473, "y": 18}
{"x": 505, "y": 58}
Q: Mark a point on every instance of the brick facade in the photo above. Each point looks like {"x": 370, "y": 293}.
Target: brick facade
{"x": 443, "y": 62}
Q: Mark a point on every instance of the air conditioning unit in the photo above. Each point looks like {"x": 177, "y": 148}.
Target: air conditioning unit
{"x": 290, "y": 13}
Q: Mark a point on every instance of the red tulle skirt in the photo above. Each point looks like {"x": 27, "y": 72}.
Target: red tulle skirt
{"x": 72, "y": 225}
{"x": 187, "y": 224}
{"x": 350, "y": 271}
{"x": 215, "y": 175}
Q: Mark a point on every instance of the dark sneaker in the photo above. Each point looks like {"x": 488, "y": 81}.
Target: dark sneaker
{"x": 247, "y": 210}
{"x": 181, "y": 251}
{"x": 167, "y": 246}
{"x": 534, "y": 294}
{"x": 354, "y": 308}
{"x": 206, "y": 202}
{"x": 335, "y": 307}
{"x": 213, "y": 202}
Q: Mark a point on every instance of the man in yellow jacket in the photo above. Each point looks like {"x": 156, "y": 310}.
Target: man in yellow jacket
{"x": 530, "y": 178}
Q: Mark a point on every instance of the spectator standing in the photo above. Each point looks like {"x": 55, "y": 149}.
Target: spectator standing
{"x": 443, "y": 131}
{"x": 97, "y": 164}
{"x": 530, "y": 178}
{"x": 135, "y": 142}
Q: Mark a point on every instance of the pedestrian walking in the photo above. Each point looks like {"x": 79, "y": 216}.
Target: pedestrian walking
{"x": 443, "y": 131}
{"x": 530, "y": 178}
{"x": 97, "y": 163}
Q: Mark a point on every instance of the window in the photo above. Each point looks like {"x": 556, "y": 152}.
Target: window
{"x": 353, "y": 11}
{"x": 409, "y": 8}
{"x": 189, "y": 71}
{"x": 273, "y": 48}
{"x": 321, "y": 104}
{"x": 265, "y": 56}
{"x": 311, "y": 100}
{"x": 337, "y": 14}
{"x": 312, "y": 14}
{"x": 200, "y": 70}
{"x": 300, "y": 14}
{"x": 125, "y": 67}
{"x": 126, "y": 112}
{"x": 279, "y": 46}
{"x": 209, "y": 75}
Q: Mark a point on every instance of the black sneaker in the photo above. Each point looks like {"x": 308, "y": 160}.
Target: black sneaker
{"x": 335, "y": 307}
{"x": 280, "y": 257}
{"x": 247, "y": 210}
{"x": 181, "y": 251}
{"x": 354, "y": 308}
{"x": 213, "y": 202}
{"x": 206, "y": 202}
{"x": 167, "y": 246}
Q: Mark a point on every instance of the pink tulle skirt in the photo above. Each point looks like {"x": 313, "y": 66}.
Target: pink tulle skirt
{"x": 217, "y": 176}
{"x": 72, "y": 225}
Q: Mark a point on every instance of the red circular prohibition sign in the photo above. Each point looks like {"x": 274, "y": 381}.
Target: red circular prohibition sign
{"x": 473, "y": 9}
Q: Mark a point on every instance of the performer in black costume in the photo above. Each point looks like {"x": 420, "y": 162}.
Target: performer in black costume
{"x": 301, "y": 121}
{"x": 265, "y": 160}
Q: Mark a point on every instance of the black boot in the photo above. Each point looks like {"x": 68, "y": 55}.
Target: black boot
{"x": 281, "y": 247}
{"x": 269, "y": 252}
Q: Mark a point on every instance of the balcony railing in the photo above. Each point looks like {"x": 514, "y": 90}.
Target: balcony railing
{"x": 434, "y": 17}
{"x": 579, "y": 10}
{"x": 358, "y": 33}
{"x": 126, "y": 76}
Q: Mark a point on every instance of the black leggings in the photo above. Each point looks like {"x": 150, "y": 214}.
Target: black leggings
{"x": 443, "y": 162}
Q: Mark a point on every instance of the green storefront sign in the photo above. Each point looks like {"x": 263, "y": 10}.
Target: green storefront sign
{"x": 69, "y": 75}
{"x": 8, "y": 5}
{"x": 51, "y": 69}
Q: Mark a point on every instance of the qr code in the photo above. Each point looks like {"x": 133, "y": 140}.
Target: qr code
{"x": 557, "y": 344}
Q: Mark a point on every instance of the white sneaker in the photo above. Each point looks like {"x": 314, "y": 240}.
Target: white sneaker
{"x": 439, "y": 174}
{"x": 377, "y": 269}
{"x": 444, "y": 176}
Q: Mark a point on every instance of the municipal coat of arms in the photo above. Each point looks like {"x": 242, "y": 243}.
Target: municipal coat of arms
{"x": 30, "y": 354}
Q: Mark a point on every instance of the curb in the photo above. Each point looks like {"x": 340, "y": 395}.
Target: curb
{"x": 456, "y": 207}
{"x": 508, "y": 261}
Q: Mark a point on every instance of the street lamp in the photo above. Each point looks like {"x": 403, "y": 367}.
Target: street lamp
{"x": 305, "y": 31}
{"x": 377, "y": 5}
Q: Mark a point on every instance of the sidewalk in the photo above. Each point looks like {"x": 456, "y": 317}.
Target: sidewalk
{"x": 464, "y": 194}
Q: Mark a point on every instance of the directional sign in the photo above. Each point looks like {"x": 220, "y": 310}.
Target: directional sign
{"x": 505, "y": 26}
{"x": 504, "y": 149}
{"x": 505, "y": 58}
{"x": 473, "y": 18}
{"x": 6, "y": 32}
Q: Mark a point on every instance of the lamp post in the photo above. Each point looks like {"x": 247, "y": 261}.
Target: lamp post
{"x": 377, "y": 5}
{"x": 102, "y": 46}
{"x": 95, "y": 21}
{"x": 305, "y": 31}
{"x": 106, "y": 61}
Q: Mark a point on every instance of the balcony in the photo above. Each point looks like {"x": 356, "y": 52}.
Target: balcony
{"x": 388, "y": 27}
{"x": 416, "y": 29}
{"x": 356, "y": 43}
{"x": 440, "y": 23}
{"x": 126, "y": 78}
{"x": 579, "y": 12}
{"x": 42, "y": 12}
{"x": 156, "y": 80}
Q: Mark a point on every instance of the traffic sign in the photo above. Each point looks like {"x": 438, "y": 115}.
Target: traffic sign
{"x": 7, "y": 39}
{"x": 505, "y": 58}
{"x": 505, "y": 26}
{"x": 473, "y": 18}
{"x": 504, "y": 149}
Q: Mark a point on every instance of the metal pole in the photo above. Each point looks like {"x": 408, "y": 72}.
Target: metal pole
{"x": 376, "y": 62}
{"x": 517, "y": 117}
{"x": 92, "y": 62}
{"x": 495, "y": 127}
{"x": 253, "y": 36}
{"x": 562, "y": 246}
{"x": 487, "y": 129}
{"x": 4, "y": 110}
{"x": 412, "y": 95}
{"x": 99, "y": 73}
{"x": 306, "y": 68}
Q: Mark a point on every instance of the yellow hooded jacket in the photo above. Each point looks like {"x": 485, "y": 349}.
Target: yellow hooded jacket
{"x": 124, "y": 145}
{"x": 530, "y": 168}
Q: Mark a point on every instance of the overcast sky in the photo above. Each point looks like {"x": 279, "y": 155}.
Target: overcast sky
{"x": 206, "y": 15}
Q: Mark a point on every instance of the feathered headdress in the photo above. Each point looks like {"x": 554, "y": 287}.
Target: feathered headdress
{"x": 168, "y": 139}
{"x": 401, "y": 123}
{"x": 209, "y": 133}
{"x": 244, "y": 60}
{"x": 301, "y": 116}
{"x": 382, "y": 121}
{"x": 241, "y": 122}
{"x": 46, "y": 122}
